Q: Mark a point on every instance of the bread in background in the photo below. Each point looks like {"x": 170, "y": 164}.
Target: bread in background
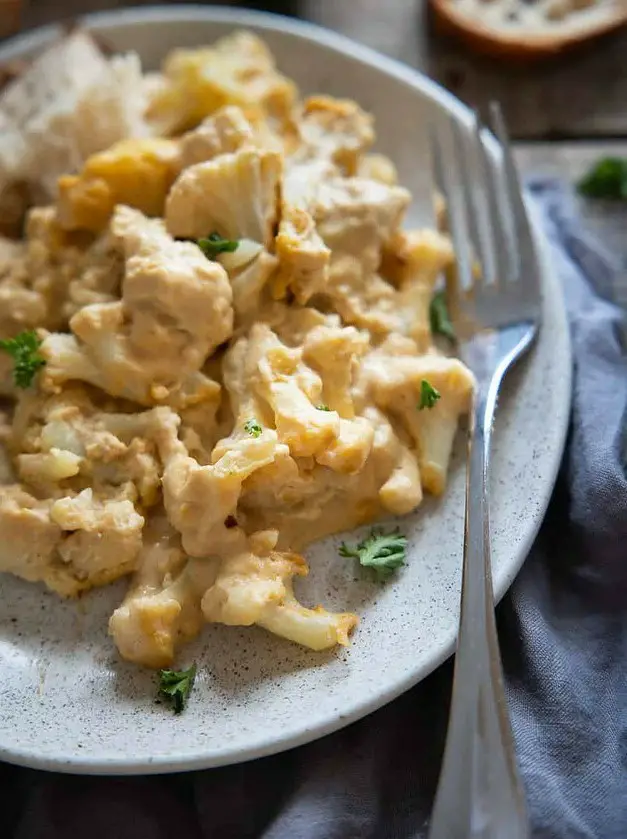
{"x": 528, "y": 29}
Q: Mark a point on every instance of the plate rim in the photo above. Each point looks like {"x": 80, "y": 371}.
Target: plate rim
{"x": 126, "y": 765}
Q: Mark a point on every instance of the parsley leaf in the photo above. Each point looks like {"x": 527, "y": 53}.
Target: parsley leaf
{"x": 176, "y": 685}
{"x": 253, "y": 428}
{"x": 383, "y": 552}
{"x": 606, "y": 179}
{"x": 439, "y": 317}
{"x": 323, "y": 407}
{"x": 24, "y": 349}
{"x": 428, "y": 395}
{"x": 214, "y": 244}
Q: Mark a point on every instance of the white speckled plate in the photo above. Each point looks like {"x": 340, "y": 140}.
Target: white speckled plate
{"x": 69, "y": 703}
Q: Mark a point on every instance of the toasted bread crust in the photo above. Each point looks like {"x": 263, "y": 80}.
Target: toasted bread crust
{"x": 521, "y": 46}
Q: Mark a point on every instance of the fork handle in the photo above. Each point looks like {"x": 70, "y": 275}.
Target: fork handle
{"x": 479, "y": 794}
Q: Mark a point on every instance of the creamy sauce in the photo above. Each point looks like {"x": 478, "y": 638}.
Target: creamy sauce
{"x": 199, "y": 420}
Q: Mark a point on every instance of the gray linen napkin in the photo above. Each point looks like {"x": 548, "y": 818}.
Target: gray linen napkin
{"x": 563, "y": 630}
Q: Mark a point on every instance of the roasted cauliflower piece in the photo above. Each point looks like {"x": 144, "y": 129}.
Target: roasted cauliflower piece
{"x": 303, "y": 256}
{"x": 161, "y": 609}
{"x": 254, "y": 586}
{"x": 36, "y": 274}
{"x": 135, "y": 172}
{"x": 234, "y": 195}
{"x": 171, "y": 596}
{"x": 236, "y": 70}
{"x": 65, "y": 442}
{"x": 175, "y": 310}
{"x": 72, "y": 544}
{"x": 396, "y": 382}
{"x": 224, "y": 132}
{"x": 104, "y": 536}
{"x": 200, "y": 499}
{"x": 377, "y": 167}
{"x": 337, "y": 130}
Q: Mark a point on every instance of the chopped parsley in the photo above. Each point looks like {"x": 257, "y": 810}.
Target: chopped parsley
{"x": 439, "y": 317}
{"x": 24, "y": 349}
{"x": 428, "y": 395}
{"x": 214, "y": 244}
{"x": 383, "y": 552}
{"x": 176, "y": 685}
{"x": 253, "y": 428}
{"x": 606, "y": 179}
{"x": 322, "y": 407}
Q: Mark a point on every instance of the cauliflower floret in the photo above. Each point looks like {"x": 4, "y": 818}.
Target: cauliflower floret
{"x": 199, "y": 499}
{"x": 377, "y": 167}
{"x": 102, "y": 545}
{"x": 99, "y": 278}
{"x": 236, "y": 70}
{"x": 135, "y": 172}
{"x": 28, "y": 537}
{"x": 330, "y": 240}
{"x": 395, "y": 382}
{"x": 162, "y": 606}
{"x": 106, "y": 536}
{"x": 175, "y": 310}
{"x": 53, "y": 273}
{"x": 261, "y": 372}
{"x": 334, "y": 353}
{"x": 65, "y": 442}
{"x": 379, "y": 278}
{"x": 248, "y": 285}
{"x": 293, "y": 391}
{"x": 172, "y": 595}
{"x": 413, "y": 261}
{"x": 35, "y": 275}
{"x": 304, "y": 257}
{"x": 234, "y": 195}
{"x": 337, "y": 130}
{"x": 225, "y": 132}
{"x": 356, "y": 216}
{"x": 256, "y": 588}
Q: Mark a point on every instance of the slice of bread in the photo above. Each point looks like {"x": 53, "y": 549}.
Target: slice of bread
{"x": 528, "y": 29}
{"x": 70, "y": 102}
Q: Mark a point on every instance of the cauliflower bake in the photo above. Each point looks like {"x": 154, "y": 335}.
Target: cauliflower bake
{"x": 218, "y": 343}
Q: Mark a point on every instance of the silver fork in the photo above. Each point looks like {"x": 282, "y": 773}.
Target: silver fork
{"x": 496, "y": 316}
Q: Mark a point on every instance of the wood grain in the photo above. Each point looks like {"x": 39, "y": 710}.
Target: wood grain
{"x": 10, "y": 17}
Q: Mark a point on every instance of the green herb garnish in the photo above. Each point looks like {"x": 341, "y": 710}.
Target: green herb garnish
{"x": 606, "y": 179}
{"x": 428, "y": 395}
{"x": 176, "y": 685}
{"x": 24, "y": 349}
{"x": 253, "y": 428}
{"x": 214, "y": 244}
{"x": 322, "y": 407}
{"x": 383, "y": 552}
{"x": 439, "y": 317}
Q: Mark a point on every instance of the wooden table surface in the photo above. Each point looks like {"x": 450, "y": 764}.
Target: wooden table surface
{"x": 563, "y": 115}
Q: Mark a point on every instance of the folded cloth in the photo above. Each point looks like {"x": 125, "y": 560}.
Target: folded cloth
{"x": 563, "y": 630}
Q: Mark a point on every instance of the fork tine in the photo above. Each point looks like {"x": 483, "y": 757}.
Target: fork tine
{"x": 522, "y": 238}
{"x": 444, "y": 182}
{"x": 465, "y": 158}
{"x": 496, "y": 235}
